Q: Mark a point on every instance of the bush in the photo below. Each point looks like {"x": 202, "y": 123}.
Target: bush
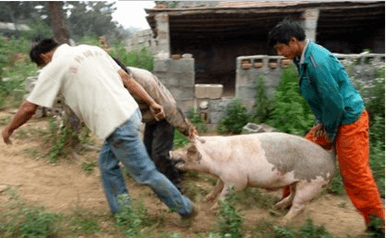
{"x": 289, "y": 113}
{"x": 237, "y": 117}
{"x": 196, "y": 120}
{"x": 141, "y": 58}
{"x": 262, "y": 104}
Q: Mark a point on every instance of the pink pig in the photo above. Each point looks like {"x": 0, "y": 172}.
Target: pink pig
{"x": 265, "y": 160}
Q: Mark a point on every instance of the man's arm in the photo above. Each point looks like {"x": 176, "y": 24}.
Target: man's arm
{"x": 156, "y": 109}
{"x": 24, "y": 113}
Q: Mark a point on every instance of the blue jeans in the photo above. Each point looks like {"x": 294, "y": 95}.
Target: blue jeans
{"x": 125, "y": 145}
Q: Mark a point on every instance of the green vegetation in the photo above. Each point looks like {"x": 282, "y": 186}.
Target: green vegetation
{"x": 229, "y": 219}
{"x": 237, "y": 117}
{"x": 196, "y": 120}
{"x": 262, "y": 104}
{"x": 290, "y": 112}
{"x": 140, "y": 58}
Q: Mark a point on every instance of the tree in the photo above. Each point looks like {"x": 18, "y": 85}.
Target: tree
{"x": 61, "y": 36}
{"x": 20, "y": 12}
{"x": 57, "y": 22}
{"x": 91, "y": 18}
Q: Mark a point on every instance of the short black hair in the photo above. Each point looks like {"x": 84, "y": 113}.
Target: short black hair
{"x": 44, "y": 46}
{"x": 284, "y": 31}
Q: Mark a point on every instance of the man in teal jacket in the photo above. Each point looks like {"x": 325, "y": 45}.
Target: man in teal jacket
{"x": 342, "y": 121}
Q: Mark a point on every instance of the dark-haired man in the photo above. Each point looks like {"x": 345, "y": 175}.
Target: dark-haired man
{"x": 158, "y": 135}
{"x": 342, "y": 121}
{"x": 92, "y": 84}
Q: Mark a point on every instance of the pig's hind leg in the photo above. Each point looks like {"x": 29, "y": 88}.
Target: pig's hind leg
{"x": 305, "y": 192}
{"x": 287, "y": 201}
{"x": 215, "y": 191}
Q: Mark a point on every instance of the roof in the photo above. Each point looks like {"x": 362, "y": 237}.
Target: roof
{"x": 228, "y": 17}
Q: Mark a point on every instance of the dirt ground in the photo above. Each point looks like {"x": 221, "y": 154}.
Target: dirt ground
{"x": 63, "y": 186}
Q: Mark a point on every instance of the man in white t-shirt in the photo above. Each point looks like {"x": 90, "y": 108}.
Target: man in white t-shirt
{"x": 93, "y": 87}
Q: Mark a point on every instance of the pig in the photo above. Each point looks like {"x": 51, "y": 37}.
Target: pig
{"x": 270, "y": 160}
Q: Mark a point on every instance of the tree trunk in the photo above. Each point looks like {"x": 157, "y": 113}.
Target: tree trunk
{"x": 61, "y": 36}
{"x": 57, "y": 22}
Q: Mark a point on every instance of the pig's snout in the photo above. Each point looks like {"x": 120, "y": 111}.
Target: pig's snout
{"x": 177, "y": 161}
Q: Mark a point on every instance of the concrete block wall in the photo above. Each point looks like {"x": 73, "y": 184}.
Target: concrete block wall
{"x": 210, "y": 104}
{"x": 177, "y": 76}
{"x": 361, "y": 68}
{"x": 246, "y": 77}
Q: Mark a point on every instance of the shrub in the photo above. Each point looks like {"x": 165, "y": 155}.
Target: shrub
{"x": 290, "y": 111}
{"x": 142, "y": 58}
{"x": 237, "y": 117}
{"x": 196, "y": 120}
{"x": 262, "y": 103}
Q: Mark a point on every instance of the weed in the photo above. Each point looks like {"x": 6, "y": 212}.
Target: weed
{"x": 375, "y": 229}
{"x": 281, "y": 232}
{"x": 89, "y": 164}
{"x": 60, "y": 144}
{"x": 251, "y": 197}
{"x": 308, "y": 230}
{"x": 37, "y": 223}
{"x": 128, "y": 218}
{"x": 85, "y": 225}
{"x": 23, "y": 221}
{"x": 229, "y": 220}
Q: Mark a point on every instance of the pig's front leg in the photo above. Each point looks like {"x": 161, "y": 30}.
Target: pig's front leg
{"x": 215, "y": 191}
{"x": 223, "y": 194}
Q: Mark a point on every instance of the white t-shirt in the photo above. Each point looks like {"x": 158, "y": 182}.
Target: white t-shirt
{"x": 89, "y": 81}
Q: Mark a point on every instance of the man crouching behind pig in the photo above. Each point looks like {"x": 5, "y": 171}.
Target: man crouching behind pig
{"x": 265, "y": 160}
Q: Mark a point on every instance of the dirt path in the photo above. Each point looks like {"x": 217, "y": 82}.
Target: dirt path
{"x": 62, "y": 186}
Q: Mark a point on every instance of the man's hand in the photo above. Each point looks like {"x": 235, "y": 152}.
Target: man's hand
{"x": 23, "y": 114}
{"x": 6, "y": 135}
{"x": 157, "y": 111}
{"x": 319, "y": 132}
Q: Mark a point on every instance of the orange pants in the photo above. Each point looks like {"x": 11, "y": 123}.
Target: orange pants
{"x": 352, "y": 149}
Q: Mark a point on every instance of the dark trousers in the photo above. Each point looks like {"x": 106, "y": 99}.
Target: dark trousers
{"x": 158, "y": 139}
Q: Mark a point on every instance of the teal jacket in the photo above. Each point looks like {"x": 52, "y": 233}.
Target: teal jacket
{"x": 327, "y": 88}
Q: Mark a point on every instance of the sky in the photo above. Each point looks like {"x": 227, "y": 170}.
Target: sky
{"x": 132, "y": 13}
